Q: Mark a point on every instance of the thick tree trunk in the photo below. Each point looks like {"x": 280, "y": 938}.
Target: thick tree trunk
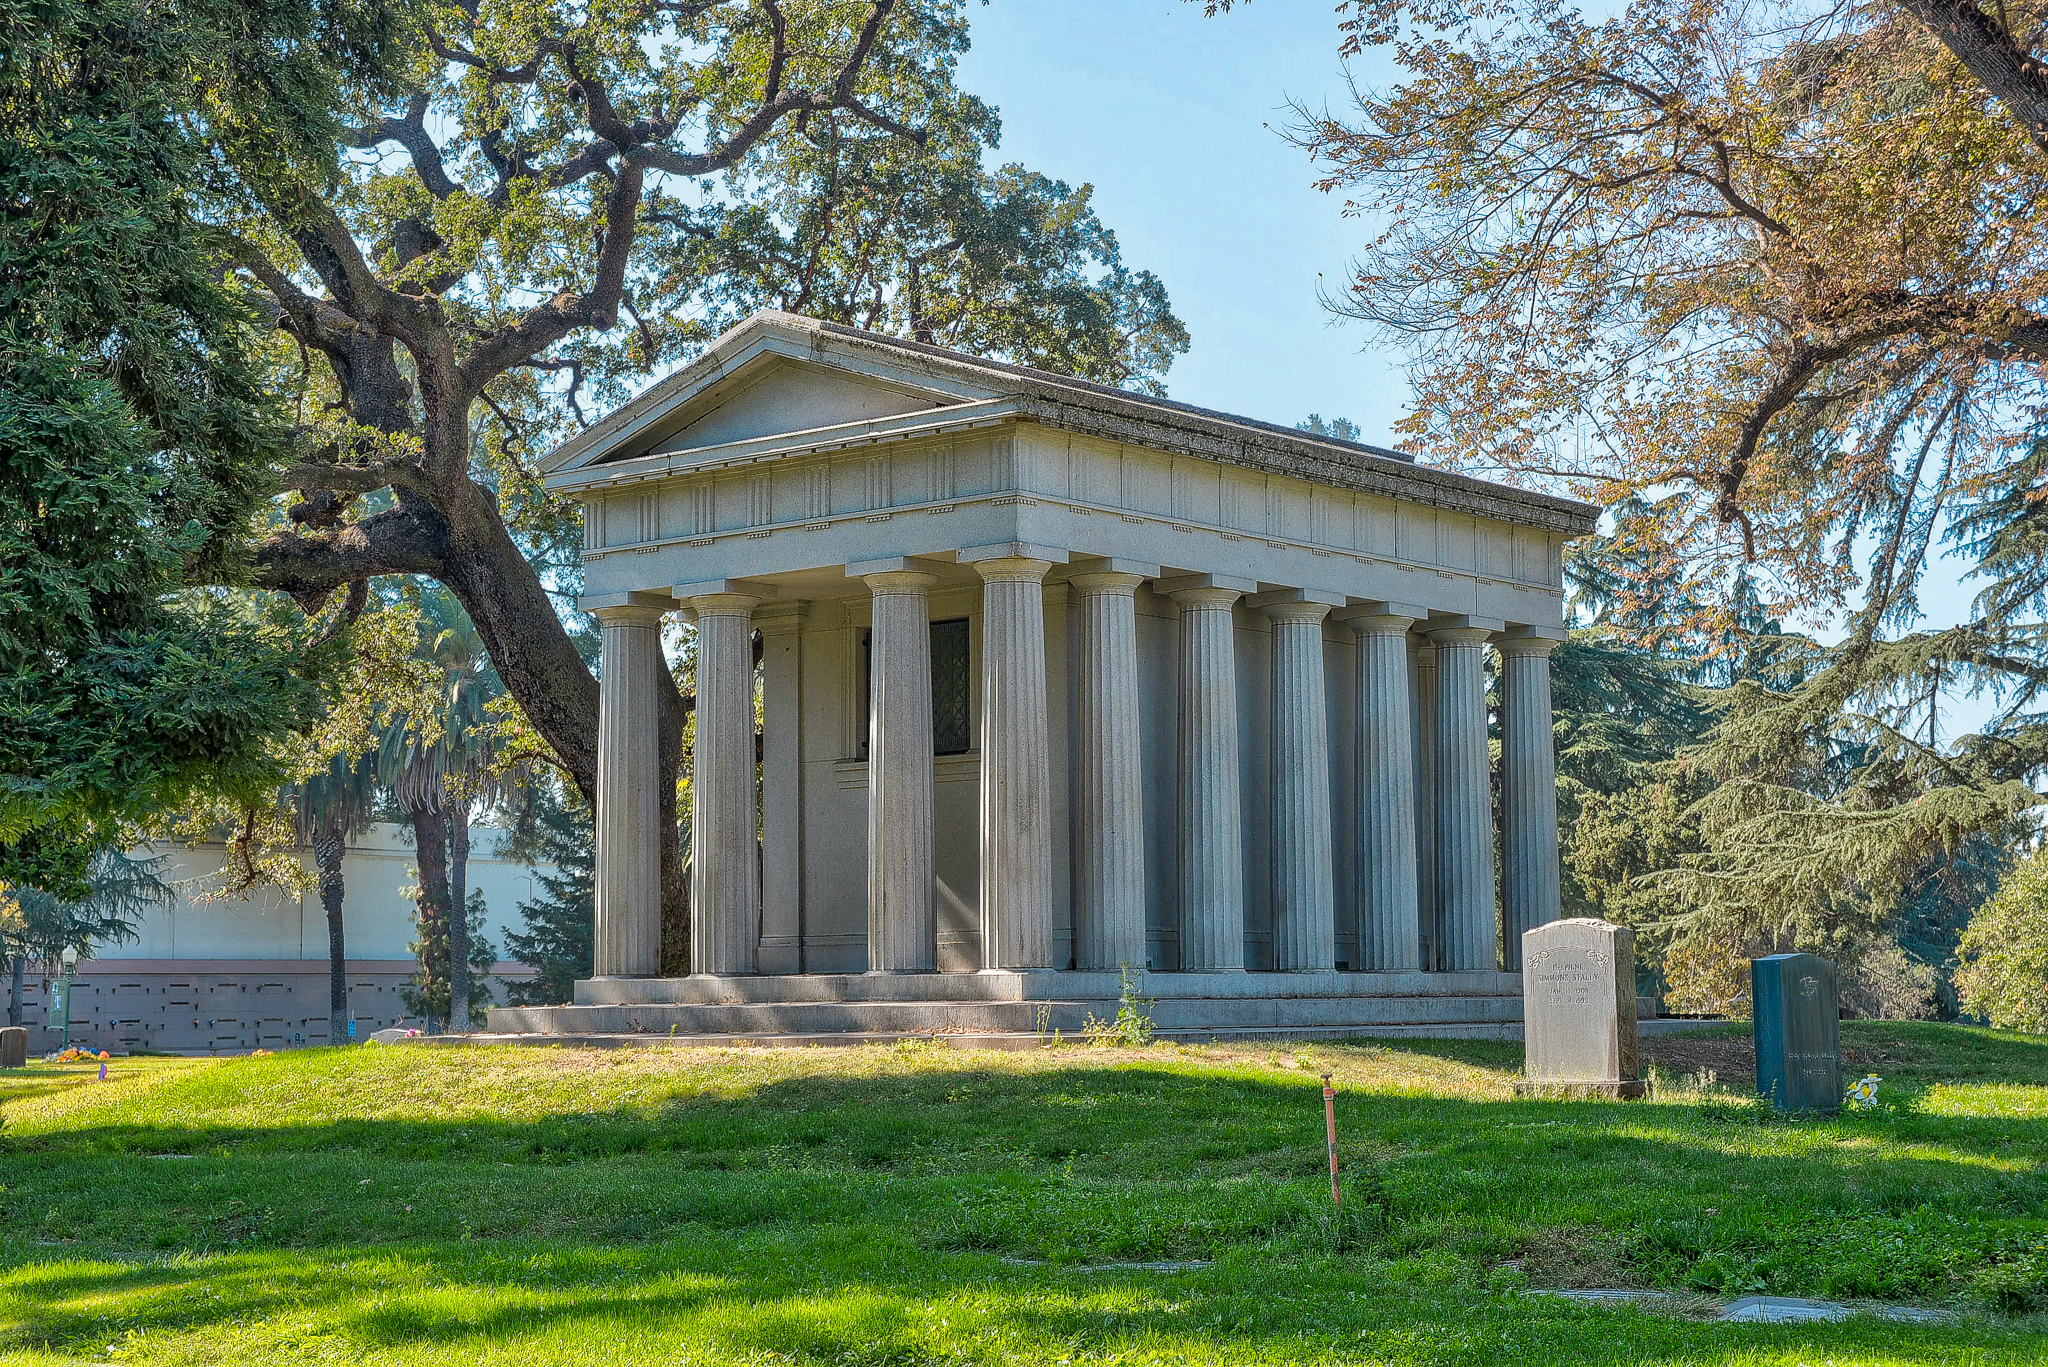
{"x": 1979, "y": 39}
{"x": 534, "y": 655}
{"x": 430, "y": 840}
{"x": 458, "y": 921}
{"x": 329, "y": 848}
{"x": 20, "y": 975}
{"x": 453, "y": 532}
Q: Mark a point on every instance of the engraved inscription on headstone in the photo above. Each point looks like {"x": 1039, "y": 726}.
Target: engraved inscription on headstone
{"x": 14, "y": 1047}
{"x": 1579, "y": 1009}
{"x": 1798, "y": 1032}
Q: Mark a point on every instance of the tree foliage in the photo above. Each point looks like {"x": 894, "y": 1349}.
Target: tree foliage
{"x": 429, "y": 992}
{"x": 118, "y": 890}
{"x": 554, "y": 835}
{"x": 2004, "y": 952}
{"x": 1771, "y": 262}
{"x": 136, "y": 432}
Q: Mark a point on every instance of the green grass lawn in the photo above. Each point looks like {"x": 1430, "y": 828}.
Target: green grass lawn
{"x": 920, "y": 1205}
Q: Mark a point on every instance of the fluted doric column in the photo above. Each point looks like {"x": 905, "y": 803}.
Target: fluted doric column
{"x": 1429, "y": 907}
{"x": 1528, "y": 790}
{"x": 1016, "y": 783}
{"x": 725, "y": 880}
{"x": 1390, "y": 905}
{"x": 1109, "y": 781}
{"x": 1304, "y": 873}
{"x": 1464, "y": 802}
{"x": 626, "y": 940}
{"x": 1211, "y": 810}
{"x": 782, "y": 817}
{"x": 902, "y": 924}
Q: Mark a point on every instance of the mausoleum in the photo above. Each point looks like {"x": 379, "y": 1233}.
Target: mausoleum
{"x": 1055, "y": 678}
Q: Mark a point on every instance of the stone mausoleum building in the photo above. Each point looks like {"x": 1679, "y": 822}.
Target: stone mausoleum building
{"x": 1056, "y": 678}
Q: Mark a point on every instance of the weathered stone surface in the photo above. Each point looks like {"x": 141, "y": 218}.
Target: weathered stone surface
{"x": 1798, "y": 1032}
{"x": 1579, "y": 1008}
{"x": 14, "y": 1047}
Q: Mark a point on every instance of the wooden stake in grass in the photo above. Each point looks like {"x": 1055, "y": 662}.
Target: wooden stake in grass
{"x": 1330, "y": 1126}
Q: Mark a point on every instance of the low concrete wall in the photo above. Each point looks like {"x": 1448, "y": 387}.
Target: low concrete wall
{"x": 218, "y": 1006}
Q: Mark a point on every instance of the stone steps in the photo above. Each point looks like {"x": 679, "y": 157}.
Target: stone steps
{"x": 1023, "y": 1008}
{"x": 1034, "y": 985}
{"x": 1013, "y": 1039}
{"x": 922, "y": 1017}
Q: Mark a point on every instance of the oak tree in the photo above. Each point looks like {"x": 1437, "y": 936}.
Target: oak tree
{"x": 562, "y": 201}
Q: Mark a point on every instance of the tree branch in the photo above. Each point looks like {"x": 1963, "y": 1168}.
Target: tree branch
{"x": 350, "y": 479}
{"x": 2008, "y": 72}
{"x": 311, "y": 565}
{"x": 410, "y": 132}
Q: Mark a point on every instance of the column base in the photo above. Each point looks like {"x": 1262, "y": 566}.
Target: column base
{"x": 779, "y": 957}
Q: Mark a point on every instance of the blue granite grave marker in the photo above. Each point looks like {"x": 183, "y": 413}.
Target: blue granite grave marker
{"x": 1798, "y": 1032}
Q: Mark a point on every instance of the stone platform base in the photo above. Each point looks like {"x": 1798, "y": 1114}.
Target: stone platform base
{"x": 1028, "y": 1005}
{"x": 1633, "y": 1089}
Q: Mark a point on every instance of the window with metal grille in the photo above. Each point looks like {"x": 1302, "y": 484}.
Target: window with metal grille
{"x": 952, "y": 682}
{"x": 950, "y": 687}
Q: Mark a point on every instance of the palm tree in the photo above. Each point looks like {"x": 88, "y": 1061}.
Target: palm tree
{"x": 441, "y": 783}
{"x": 333, "y": 805}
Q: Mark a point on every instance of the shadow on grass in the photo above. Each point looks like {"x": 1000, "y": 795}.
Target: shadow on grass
{"x": 1130, "y": 1161}
{"x": 823, "y": 1299}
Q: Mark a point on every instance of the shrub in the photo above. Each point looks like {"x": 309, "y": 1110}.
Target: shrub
{"x": 2003, "y": 970}
{"x": 1880, "y": 981}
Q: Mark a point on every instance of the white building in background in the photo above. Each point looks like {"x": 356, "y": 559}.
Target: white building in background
{"x": 240, "y": 973}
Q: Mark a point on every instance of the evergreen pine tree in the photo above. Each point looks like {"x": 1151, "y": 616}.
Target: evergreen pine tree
{"x": 554, "y": 833}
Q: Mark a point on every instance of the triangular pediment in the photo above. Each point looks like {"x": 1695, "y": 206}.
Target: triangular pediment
{"x": 757, "y": 383}
{"x": 775, "y": 395}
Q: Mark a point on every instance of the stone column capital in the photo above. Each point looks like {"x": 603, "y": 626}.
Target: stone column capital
{"x": 1206, "y": 599}
{"x": 1454, "y": 636}
{"x": 722, "y": 605}
{"x": 629, "y": 615}
{"x": 916, "y": 582}
{"x": 1296, "y": 612}
{"x": 1012, "y": 569}
{"x": 1106, "y": 582}
{"x": 1378, "y": 623}
{"x": 1525, "y": 645}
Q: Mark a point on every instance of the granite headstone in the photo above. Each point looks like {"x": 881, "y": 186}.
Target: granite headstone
{"x": 1579, "y": 1009}
{"x": 1798, "y": 1032}
{"x": 14, "y": 1047}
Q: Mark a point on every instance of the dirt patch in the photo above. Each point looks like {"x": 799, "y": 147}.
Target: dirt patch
{"x": 1571, "y": 1256}
{"x": 1731, "y": 1061}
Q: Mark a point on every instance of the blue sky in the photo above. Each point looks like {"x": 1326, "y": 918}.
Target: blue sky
{"x": 1165, "y": 113}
